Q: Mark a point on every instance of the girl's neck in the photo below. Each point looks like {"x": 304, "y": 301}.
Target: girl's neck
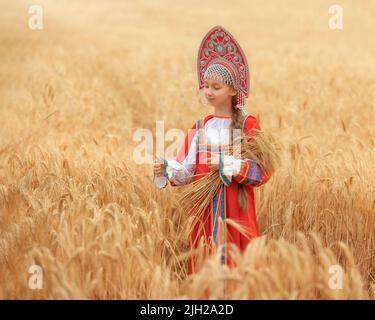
{"x": 223, "y": 111}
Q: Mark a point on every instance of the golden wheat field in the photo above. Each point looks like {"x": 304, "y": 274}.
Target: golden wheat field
{"x": 73, "y": 201}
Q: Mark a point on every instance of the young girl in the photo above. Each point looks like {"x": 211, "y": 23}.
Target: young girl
{"x": 223, "y": 77}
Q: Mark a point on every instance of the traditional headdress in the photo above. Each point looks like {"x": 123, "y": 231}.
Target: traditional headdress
{"x": 220, "y": 57}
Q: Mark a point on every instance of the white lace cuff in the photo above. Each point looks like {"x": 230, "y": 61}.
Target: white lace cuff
{"x": 232, "y": 166}
{"x": 229, "y": 166}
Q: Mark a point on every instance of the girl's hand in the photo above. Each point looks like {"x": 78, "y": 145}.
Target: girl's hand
{"x": 158, "y": 167}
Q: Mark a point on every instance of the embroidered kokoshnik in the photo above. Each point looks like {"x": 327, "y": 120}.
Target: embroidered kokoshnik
{"x": 220, "y": 57}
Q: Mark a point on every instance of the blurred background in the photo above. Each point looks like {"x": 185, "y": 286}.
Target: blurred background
{"x": 72, "y": 94}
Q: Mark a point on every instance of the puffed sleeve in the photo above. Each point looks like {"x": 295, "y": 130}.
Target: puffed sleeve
{"x": 243, "y": 171}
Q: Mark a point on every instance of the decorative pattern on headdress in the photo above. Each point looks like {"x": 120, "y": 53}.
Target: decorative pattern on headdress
{"x": 220, "y": 50}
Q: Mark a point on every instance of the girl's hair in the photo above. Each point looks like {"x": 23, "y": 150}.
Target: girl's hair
{"x": 237, "y": 119}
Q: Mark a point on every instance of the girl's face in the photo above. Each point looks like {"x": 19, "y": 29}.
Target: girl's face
{"x": 218, "y": 93}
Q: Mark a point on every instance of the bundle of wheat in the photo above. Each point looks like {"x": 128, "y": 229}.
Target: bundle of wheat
{"x": 261, "y": 147}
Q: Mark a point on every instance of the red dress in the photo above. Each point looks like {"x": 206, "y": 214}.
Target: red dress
{"x": 224, "y": 203}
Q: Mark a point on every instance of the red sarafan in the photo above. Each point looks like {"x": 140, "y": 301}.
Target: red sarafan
{"x": 224, "y": 204}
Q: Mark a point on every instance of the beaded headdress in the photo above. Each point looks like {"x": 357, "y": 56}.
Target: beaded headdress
{"x": 220, "y": 57}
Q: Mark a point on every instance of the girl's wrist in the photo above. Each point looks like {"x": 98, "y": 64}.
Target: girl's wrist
{"x": 166, "y": 170}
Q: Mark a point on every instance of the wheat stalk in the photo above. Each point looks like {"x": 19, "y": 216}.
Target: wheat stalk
{"x": 262, "y": 148}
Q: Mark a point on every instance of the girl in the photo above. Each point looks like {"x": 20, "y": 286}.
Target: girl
{"x": 223, "y": 77}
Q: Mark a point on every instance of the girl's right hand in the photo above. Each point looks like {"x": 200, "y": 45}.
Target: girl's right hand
{"x": 158, "y": 167}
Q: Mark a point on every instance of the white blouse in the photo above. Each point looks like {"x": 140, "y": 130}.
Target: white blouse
{"x": 216, "y": 131}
